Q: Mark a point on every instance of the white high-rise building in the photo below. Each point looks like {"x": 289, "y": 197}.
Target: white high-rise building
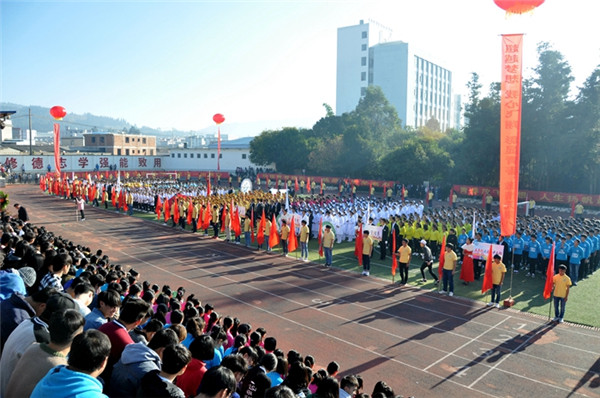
{"x": 418, "y": 88}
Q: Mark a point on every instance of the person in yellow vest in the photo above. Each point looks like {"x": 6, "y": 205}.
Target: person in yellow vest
{"x": 354, "y": 191}
{"x": 454, "y": 199}
{"x": 214, "y": 221}
{"x": 247, "y": 231}
{"x": 195, "y": 213}
{"x": 498, "y": 272}
{"x": 372, "y": 191}
{"x": 488, "y": 202}
{"x": 389, "y": 194}
{"x": 129, "y": 201}
{"x": 532, "y": 207}
{"x": 367, "y": 252}
{"x": 450, "y": 259}
{"x": 302, "y": 185}
{"x": 105, "y": 198}
{"x": 561, "y": 285}
{"x": 313, "y": 185}
{"x": 327, "y": 244}
{"x": 230, "y": 182}
{"x": 403, "y": 253}
{"x": 578, "y": 210}
{"x": 227, "y": 225}
{"x": 285, "y": 234}
{"x": 182, "y": 213}
{"x": 304, "y": 236}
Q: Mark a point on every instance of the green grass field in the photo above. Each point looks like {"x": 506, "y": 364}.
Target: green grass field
{"x": 527, "y": 292}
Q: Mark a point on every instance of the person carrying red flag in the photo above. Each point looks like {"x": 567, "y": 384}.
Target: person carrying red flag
{"x": 327, "y": 244}
{"x": 293, "y": 239}
{"x": 562, "y": 284}
{"x": 273, "y": 239}
{"x": 320, "y": 237}
{"x": 158, "y": 207}
{"x": 367, "y": 252}
{"x": 285, "y": 234}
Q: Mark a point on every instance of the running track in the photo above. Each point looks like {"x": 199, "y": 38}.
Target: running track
{"x": 421, "y": 343}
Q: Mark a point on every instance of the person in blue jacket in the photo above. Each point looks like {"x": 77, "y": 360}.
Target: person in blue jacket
{"x": 575, "y": 257}
{"x": 533, "y": 255}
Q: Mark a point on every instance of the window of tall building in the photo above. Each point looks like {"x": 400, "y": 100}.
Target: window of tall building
{"x": 364, "y": 34}
{"x": 172, "y": 155}
{"x": 178, "y": 155}
{"x": 185, "y": 155}
{"x": 243, "y": 156}
{"x": 363, "y": 61}
{"x": 212, "y": 155}
{"x": 363, "y": 47}
{"x": 220, "y": 156}
{"x": 198, "y": 155}
{"x": 363, "y": 76}
{"x": 206, "y": 156}
{"x": 127, "y": 140}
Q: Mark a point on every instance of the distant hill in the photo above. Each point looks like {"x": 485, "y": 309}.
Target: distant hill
{"x": 42, "y": 121}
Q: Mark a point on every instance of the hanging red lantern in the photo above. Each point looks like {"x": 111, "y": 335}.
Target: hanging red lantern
{"x": 218, "y": 118}
{"x": 58, "y": 112}
{"x": 518, "y": 6}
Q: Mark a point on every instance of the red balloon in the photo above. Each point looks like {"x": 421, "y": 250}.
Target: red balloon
{"x": 218, "y": 118}
{"x": 518, "y": 6}
{"x": 58, "y": 112}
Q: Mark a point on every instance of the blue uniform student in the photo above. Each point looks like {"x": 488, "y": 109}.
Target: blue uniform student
{"x": 517, "y": 246}
{"x": 546, "y": 252}
{"x": 575, "y": 256}
{"x": 585, "y": 245}
{"x": 533, "y": 255}
{"x": 562, "y": 253}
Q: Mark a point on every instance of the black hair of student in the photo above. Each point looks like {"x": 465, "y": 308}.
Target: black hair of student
{"x": 280, "y": 391}
{"x": 83, "y": 288}
{"x": 213, "y": 319}
{"x": 174, "y": 358}
{"x": 203, "y": 348}
{"x": 262, "y": 331}
{"x": 328, "y": 388}
{"x": 269, "y": 362}
{"x": 319, "y": 376}
{"x": 240, "y": 341}
{"x": 89, "y": 350}
{"x": 64, "y": 326}
{"x": 60, "y": 261}
{"x": 270, "y": 344}
{"x": 236, "y": 363}
{"x": 180, "y": 330}
{"x": 42, "y": 296}
{"x": 254, "y": 339}
{"x": 282, "y": 367}
{"x": 177, "y": 317}
{"x": 217, "y": 379}
{"x": 110, "y": 298}
{"x": 309, "y": 360}
{"x": 227, "y": 323}
{"x": 134, "y": 310}
{"x": 236, "y": 324}
{"x": 250, "y": 352}
{"x": 163, "y": 338}
{"x": 217, "y": 333}
{"x": 298, "y": 377}
{"x": 384, "y": 388}
{"x": 154, "y": 325}
{"x": 333, "y": 367}
{"x": 349, "y": 381}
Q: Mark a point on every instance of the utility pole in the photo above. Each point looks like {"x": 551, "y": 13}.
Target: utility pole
{"x": 30, "y": 135}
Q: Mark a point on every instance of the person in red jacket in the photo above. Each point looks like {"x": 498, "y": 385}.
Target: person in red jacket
{"x": 203, "y": 350}
{"x": 132, "y": 314}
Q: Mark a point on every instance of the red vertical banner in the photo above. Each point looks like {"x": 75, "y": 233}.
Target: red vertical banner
{"x": 510, "y": 130}
{"x": 57, "y": 147}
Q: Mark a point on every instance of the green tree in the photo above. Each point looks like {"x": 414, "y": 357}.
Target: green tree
{"x": 287, "y": 148}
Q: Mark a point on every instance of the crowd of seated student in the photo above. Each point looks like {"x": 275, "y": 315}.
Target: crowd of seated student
{"x": 75, "y": 324}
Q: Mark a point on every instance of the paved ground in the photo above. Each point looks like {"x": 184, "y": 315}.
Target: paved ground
{"x": 421, "y": 343}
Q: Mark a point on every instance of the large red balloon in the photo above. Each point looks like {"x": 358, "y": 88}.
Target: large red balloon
{"x": 518, "y": 6}
{"x": 218, "y": 118}
{"x": 58, "y": 112}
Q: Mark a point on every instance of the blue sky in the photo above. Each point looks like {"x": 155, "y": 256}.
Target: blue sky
{"x": 173, "y": 64}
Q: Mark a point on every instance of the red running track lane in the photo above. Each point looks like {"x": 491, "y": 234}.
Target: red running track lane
{"x": 419, "y": 342}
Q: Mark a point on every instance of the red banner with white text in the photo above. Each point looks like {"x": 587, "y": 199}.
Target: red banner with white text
{"x": 510, "y": 130}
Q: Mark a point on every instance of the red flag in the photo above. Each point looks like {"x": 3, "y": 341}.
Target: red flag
{"x": 296, "y": 188}
{"x": 308, "y": 185}
{"x": 208, "y": 186}
{"x": 207, "y": 216}
{"x": 190, "y": 212}
{"x": 450, "y": 197}
{"x": 394, "y": 258}
{"x": 358, "y": 245}
{"x": 252, "y": 225}
{"x": 384, "y": 190}
{"x": 549, "y": 275}
{"x": 273, "y": 235}
{"x": 235, "y": 222}
{"x": 123, "y": 198}
{"x": 321, "y": 238}
{"x": 57, "y": 147}
{"x": 176, "y": 210}
{"x": 573, "y": 210}
{"x": 442, "y": 257}
{"x": 158, "y": 207}
{"x": 114, "y": 197}
{"x": 488, "y": 283}
{"x": 293, "y": 240}
{"x": 224, "y": 218}
{"x": 260, "y": 234}
{"x": 510, "y": 131}
{"x": 403, "y": 192}
{"x": 167, "y": 207}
